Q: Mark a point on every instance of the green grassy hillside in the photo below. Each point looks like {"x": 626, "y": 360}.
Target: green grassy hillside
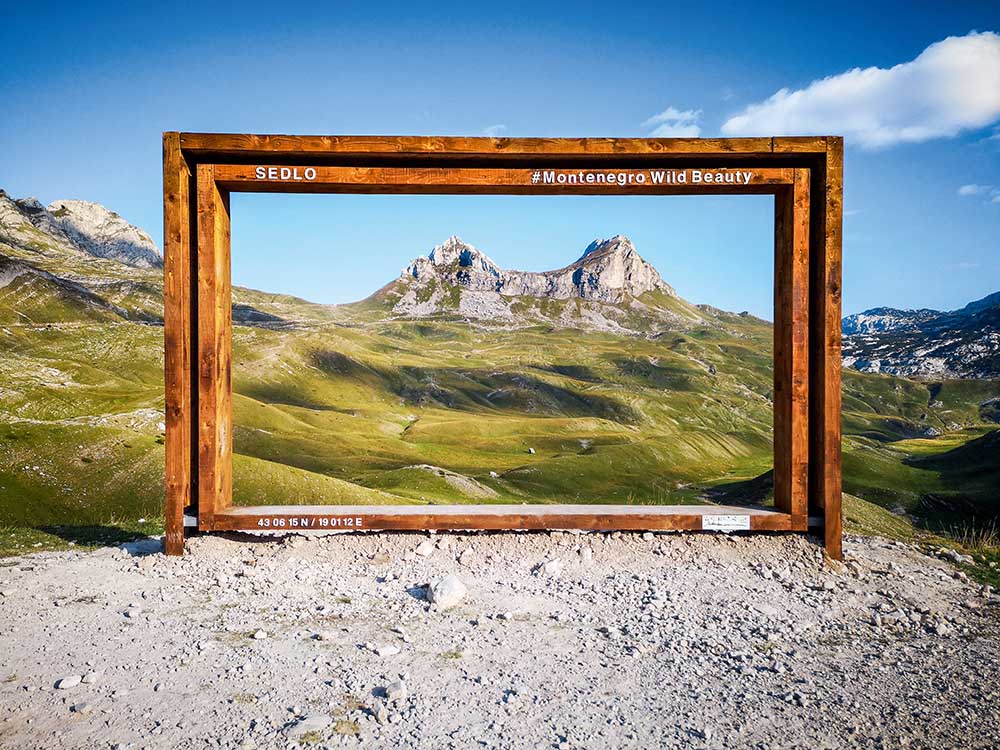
{"x": 349, "y": 405}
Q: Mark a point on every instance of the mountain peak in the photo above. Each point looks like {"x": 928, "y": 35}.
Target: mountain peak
{"x": 611, "y": 268}
{"x": 617, "y": 244}
{"x": 453, "y": 256}
{"x": 609, "y": 271}
{"x": 456, "y": 250}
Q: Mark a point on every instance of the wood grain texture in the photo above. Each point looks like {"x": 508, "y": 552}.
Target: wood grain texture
{"x": 830, "y": 430}
{"x": 177, "y": 375}
{"x": 201, "y": 144}
{"x": 460, "y": 180}
{"x": 825, "y": 355}
{"x": 215, "y": 328}
{"x": 800, "y": 144}
{"x": 791, "y": 347}
{"x": 496, "y": 517}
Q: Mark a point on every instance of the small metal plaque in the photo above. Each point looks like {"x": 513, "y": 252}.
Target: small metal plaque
{"x": 725, "y": 523}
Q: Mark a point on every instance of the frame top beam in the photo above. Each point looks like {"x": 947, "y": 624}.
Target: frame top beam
{"x": 219, "y": 146}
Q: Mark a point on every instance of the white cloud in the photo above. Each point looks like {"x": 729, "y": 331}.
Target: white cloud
{"x": 673, "y": 123}
{"x": 951, "y": 87}
{"x": 494, "y": 131}
{"x": 974, "y": 189}
{"x": 992, "y": 192}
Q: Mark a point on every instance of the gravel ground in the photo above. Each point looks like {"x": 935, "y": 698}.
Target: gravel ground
{"x": 561, "y": 641}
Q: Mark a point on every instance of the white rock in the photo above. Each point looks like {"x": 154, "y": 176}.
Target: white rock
{"x": 259, "y": 635}
{"x": 387, "y": 650}
{"x": 312, "y": 723}
{"x": 447, "y": 592}
{"x": 91, "y": 678}
{"x": 586, "y": 554}
{"x": 65, "y": 683}
{"x": 551, "y": 567}
{"x": 425, "y": 548}
{"x": 396, "y": 691}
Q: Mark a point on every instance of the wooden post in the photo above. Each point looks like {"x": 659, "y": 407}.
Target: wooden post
{"x": 826, "y": 357}
{"x": 177, "y": 344}
{"x": 791, "y": 349}
{"x": 215, "y": 328}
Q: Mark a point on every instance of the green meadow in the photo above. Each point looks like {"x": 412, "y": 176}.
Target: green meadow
{"x": 349, "y": 405}
{"x": 439, "y": 411}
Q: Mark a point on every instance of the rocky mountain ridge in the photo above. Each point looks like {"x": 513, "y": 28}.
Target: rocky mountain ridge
{"x": 609, "y": 270}
{"x": 609, "y": 287}
{"x": 80, "y": 226}
{"x": 76, "y": 260}
{"x": 926, "y": 343}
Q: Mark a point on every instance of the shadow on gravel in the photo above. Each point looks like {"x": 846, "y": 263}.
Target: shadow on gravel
{"x": 95, "y": 535}
{"x": 418, "y": 592}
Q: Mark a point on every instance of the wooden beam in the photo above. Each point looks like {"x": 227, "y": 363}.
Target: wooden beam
{"x": 827, "y": 358}
{"x": 200, "y": 144}
{"x": 412, "y": 517}
{"x": 273, "y": 178}
{"x": 798, "y": 144}
{"x": 177, "y": 344}
{"x": 215, "y": 329}
{"x": 791, "y": 347}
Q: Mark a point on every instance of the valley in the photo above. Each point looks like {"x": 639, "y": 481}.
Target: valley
{"x": 458, "y": 382}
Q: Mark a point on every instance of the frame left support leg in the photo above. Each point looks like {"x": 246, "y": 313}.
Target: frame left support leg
{"x": 177, "y": 344}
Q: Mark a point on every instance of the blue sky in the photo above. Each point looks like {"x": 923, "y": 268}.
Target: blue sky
{"x": 88, "y": 88}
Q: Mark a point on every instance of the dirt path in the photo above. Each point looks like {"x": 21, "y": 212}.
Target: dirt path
{"x": 626, "y": 641}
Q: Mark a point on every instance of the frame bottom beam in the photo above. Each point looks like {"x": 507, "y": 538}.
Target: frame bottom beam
{"x": 499, "y": 517}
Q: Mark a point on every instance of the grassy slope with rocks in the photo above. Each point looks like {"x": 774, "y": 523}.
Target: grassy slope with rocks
{"x": 352, "y": 405}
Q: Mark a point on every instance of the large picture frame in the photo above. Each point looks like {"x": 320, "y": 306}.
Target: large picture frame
{"x": 804, "y": 174}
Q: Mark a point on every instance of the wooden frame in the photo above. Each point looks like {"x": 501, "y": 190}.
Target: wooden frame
{"x": 200, "y": 171}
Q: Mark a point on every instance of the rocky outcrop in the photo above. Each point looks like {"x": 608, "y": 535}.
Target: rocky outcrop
{"x": 105, "y": 234}
{"x": 926, "y": 343}
{"x": 610, "y": 270}
{"x": 886, "y": 319}
{"x": 80, "y": 226}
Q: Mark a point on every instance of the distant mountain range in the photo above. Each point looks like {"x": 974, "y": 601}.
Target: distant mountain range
{"x": 75, "y": 259}
{"x": 926, "y": 344}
